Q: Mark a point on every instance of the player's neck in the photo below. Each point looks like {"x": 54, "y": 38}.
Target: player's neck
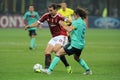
{"x": 31, "y": 11}
{"x": 64, "y": 9}
{"x": 53, "y": 15}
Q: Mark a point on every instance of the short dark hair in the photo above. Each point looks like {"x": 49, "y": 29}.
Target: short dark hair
{"x": 81, "y": 12}
{"x": 31, "y": 5}
{"x": 54, "y": 6}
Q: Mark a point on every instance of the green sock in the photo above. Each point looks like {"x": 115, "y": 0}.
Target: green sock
{"x": 84, "y": 64}
{"x": 32, "y": 42}
{"x": 54, "y": 63}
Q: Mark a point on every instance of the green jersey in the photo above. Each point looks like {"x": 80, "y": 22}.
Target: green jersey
{"x": 31, "y": 17}
{"x": 77, "y": 35}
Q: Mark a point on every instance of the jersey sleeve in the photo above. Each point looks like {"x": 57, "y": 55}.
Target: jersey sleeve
{"x": 62, "y": 18}
{"x": 25, "y": 16}
{"x": 38, "y": 17}
{"x": 43, "y": 18}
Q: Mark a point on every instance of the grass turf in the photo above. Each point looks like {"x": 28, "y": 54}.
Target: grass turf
{"x": 101, "y": 52}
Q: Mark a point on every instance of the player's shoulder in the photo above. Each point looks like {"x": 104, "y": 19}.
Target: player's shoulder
{"x": 60, "y": 10}
{"x": 79, "y": 21}
{"x": 35, "y": 12}
{"x": 27, "y": 12}
{"x": 69, "y": 9}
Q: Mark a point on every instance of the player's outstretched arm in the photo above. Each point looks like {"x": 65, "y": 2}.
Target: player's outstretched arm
{"x": 40, "y": 27}
{"x": 67, "y": 28}
{"x": 32, "y": 25}
{"x": 68, "y": 20}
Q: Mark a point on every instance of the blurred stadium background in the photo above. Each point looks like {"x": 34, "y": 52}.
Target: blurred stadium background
{"x": 11, "y": 11}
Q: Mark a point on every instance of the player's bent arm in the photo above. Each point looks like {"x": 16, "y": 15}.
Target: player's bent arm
{"x": 40, "y": 27}
{"x": 33, "y": 25}
{"x": 24, "y": 22}
{"x": 67, "y": 28}
{"x": 68, "y": 20}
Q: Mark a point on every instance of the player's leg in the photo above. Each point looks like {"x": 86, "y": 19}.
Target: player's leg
{"x": 63, "y": 59}
{"x": 61, "y": 41}
{"x": 55, "y": 60}
{"x": 69, "y": 39}
{"x": 48, "y": 51}
{"x": 32, "y": 35}
{"x": 32, "y": 41}
{"x": 82, "y": 62}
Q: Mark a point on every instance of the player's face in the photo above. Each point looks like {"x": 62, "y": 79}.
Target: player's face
{"x": 52, "y": 11}
{"x": 64, "y": 5}
{"x": 31, "y": 8}
{"x": 75, "y": 16}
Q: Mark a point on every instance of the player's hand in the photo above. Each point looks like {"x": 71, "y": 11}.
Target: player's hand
{"x": 26, "y": 27}
{"x": 40, "y": 27}
{"x": 61, "y": 23}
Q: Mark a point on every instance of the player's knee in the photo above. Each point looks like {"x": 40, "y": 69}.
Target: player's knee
{"x": 76, "y": 58}
{"x": 55, "y": 50}
{"x": 47, "y": 52}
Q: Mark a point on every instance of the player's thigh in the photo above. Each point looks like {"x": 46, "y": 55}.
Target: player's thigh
{"x": 72, "y": 50}
{"x": 57, "y": 47}
{"x": 32, "y": 33}
{"x": 62, "y": 40}
{"x": 52, "y": 42}
{"x": 60, "y": 52}
{"x": 49, "y": 49}
{"x": 78, "y": 53}
{"x": 59, "y": 41}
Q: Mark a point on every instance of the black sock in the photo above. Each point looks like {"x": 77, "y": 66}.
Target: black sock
{"x": 47, "y": 60}
{"x": 69, "y": 39}
{"x": 63, "y": 59}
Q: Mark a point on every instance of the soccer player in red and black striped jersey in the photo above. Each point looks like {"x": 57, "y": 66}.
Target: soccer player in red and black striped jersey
{"x": 59, "y": 35}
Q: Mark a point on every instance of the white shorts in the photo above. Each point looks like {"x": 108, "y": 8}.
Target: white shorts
{"x": 61, "y": 39}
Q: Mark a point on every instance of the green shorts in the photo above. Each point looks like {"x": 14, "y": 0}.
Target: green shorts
{"x": 32, "y": 32}
{"x": 72, "y": 50}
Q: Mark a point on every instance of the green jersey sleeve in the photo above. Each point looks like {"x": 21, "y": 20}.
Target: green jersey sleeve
{"x": 25, "y": 16}
{"x": 37, "y": 16}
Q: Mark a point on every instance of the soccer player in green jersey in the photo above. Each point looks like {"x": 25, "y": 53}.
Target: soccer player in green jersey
{"x": 29, "y": 18}
{"x": 77, "y": 31}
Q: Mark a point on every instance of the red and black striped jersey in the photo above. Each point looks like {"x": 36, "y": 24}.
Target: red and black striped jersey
{"x": 53, "y": 22}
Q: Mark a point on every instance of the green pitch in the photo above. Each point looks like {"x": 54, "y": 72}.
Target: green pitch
{"x": 102, "y": 53}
